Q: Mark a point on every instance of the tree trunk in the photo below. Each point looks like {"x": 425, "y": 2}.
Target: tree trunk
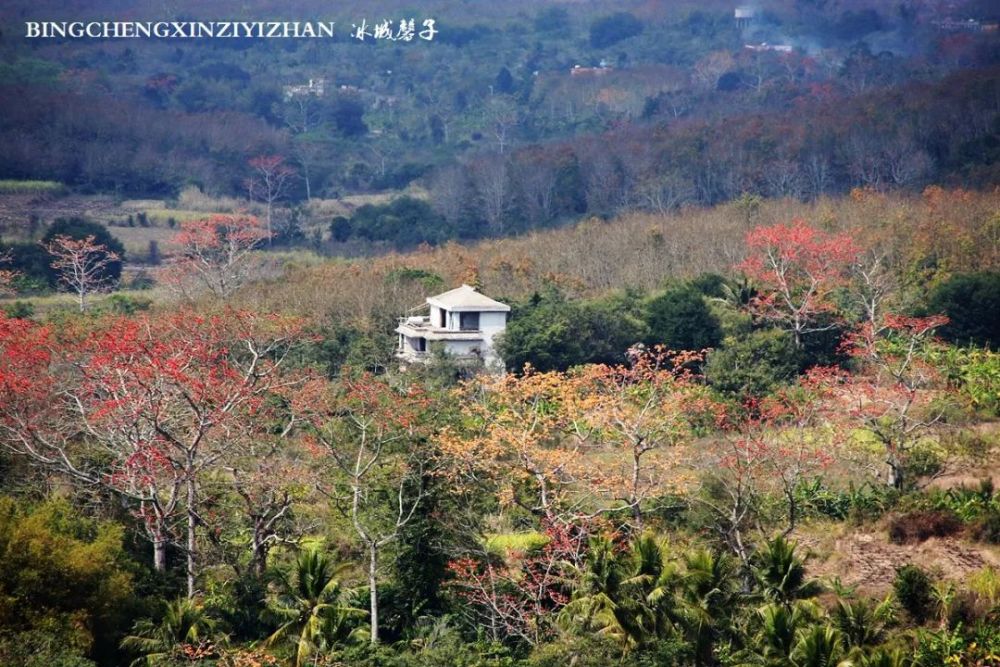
{"x": 373, "y": 589}
{"x": 192, "y": 523}
{"x": 160, "y": 553}
{"x": 636, "y": 510}
{"x": 269, "y": 222}
{"x": 895, "y": 478}
{"x": 258, "y": 556}
{"x": 792, "y": 512}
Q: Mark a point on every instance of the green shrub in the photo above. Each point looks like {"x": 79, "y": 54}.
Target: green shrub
{"x": 40, "y": 648}
{"x": 65, "y": 581}
{"x": 859, "y": 504}
{"x": 679, "y": 319}
{"x": 19, "y": 309}
{"x": 972, "y": 303}
{"x": 979, "y": 507}
{"x": 975, "y": 373}
{"x": 915, "y": 592}
{"x": 122, "y": 304}
{"x": 553, "y": 333}
{"x": 987, "y": 527}
{"x": 404, "y": 222}
{"x": 141, "y": 280}
{"x": 753, "y": 365}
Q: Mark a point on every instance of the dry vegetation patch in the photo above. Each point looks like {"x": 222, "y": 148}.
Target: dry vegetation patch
{"x": 868, "y": 558}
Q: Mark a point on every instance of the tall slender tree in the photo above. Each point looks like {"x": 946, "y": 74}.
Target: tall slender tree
{"x": 82, "y": 265}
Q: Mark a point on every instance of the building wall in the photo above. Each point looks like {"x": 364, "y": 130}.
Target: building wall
{"x": 408, "y": 347}
{"x": 436, "y": 316}
{"x": 491, "y": 324}
{"x": 461, "y": 347}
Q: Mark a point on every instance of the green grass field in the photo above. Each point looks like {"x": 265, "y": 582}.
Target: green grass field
{"x": 31, "y": 187}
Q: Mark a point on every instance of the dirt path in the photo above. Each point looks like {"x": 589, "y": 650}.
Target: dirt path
{"x": 869, "y": 560}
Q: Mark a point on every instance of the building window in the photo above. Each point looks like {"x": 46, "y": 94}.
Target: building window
{"x": 468, "y": 321}
{"x": 420, "y": 344}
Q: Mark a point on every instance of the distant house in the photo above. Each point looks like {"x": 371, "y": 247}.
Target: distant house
{"x": 579, "y": 70}
{"x": 764, "y": 46}
{"x": 462, "y": 322}
{"x": 316, "y": 87}
{"x": 744, "y": 16}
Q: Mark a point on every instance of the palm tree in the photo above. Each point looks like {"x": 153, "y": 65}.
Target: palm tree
{"x": 706, "y": 600}
{"x": 649, "y": 578}
{"x": 820, "y": 646}
{"x": 885, "y": 658}
{"x": 779, "y": 630}
{"x": 621, "y": 593}
{"x": 314, "y": 608}
{"x": 624, "y": 594}
{"x": 862, "y": 625}
{"x": 781, "y": 574}
{"x": 184, "y": 622}
{"x": 594, "y": 606}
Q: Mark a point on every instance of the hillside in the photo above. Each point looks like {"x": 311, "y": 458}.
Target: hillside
{"x": 554, "y": 333}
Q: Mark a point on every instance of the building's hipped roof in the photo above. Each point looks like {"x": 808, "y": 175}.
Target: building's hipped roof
{"x": 466, "y": 298}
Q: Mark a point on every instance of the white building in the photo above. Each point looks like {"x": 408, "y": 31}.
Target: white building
{"x": 745, "y": 16}
{"x": 764, "y": 46}
{"x": 315, "y": 87}
{"x": 462, "y": 321}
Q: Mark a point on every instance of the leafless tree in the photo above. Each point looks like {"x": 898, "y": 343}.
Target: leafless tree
{"x": 82, "y": 265}
{"x": 784, "y": 178}
{"x": 269, "y": 182}
{"x": 450, "y": 192}
{"x": 307, "y": 152}
{"x": 537, "y": 181}
{"x": 665, "y": 193}
{"x": 301, "y": 114}
{"x": 863, "y": 156}
{"x": 905, "y": 162}
{"x": 492, "y": 179}
{"x": 378, "y": 472}
{"x": 501, "y": 118}
{"x": 817, "y": 173}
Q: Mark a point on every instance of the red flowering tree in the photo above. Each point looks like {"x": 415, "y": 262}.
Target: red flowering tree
{"x": 27, "y": 388}
{"x": 797, "y": 269}
{"x": 146, "y": 408}
{"x": 216, "y": 253}
{"x": 39, "y": 423}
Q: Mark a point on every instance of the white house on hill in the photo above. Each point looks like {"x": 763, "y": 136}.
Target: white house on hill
{"x": 462, "y": 321}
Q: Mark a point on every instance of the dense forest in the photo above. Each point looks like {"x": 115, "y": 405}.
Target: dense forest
{"x": 525, "y": 102}
{"x": 747, "y": 404}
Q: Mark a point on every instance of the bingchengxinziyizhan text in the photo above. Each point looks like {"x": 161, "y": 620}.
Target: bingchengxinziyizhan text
{"x": 404, "y": 30}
